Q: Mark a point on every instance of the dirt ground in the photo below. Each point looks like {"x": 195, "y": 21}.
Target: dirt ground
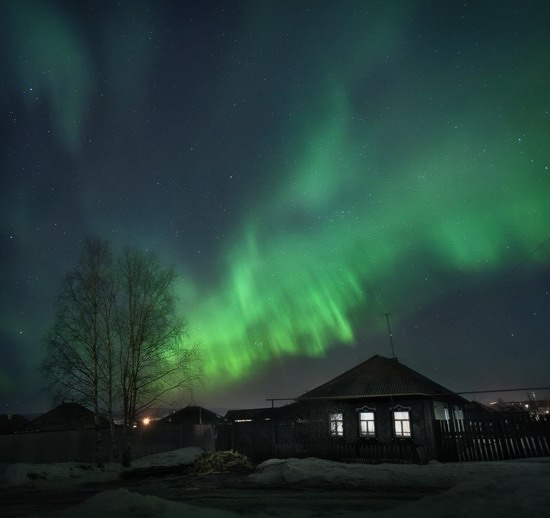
{"x": 217, "y": 491}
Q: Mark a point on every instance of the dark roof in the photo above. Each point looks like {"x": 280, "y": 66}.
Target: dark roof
{"x": 375, "y": 377}
{"x": 290, "y": 411}
{"x": 12, "y": 423}
{"x": 253, "y": 414}
{"x": 66, "y": 416}
{"x": 195, "y": 415}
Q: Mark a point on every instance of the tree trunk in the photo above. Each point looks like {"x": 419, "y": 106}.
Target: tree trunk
{"x": 127, "y": 448}
{"x": 114, "y": 443}
{"x": 98, "y": 447}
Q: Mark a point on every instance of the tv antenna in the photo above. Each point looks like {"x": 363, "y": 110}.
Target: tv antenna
{"x": 391, "y": 337}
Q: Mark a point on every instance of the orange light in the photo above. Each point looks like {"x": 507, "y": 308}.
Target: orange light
{"x": 146, "y": 421}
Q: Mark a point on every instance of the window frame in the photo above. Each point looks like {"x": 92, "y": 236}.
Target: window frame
{"x": 402, "y": 435}
{"x": 368, "y": 434}
{"x": 336, "y": 432}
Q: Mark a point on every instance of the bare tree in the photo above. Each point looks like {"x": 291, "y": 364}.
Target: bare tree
{"x": 117, "y": 342}
{"x": 153, "y": 358}
{"x": 76, "y": 343}
{"x": 109, "y": 392}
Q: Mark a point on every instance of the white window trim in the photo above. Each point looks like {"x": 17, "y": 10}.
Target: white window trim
{"x": 366, "y": 409}
{"x": 401, "y": 434}
{"x": 336, "y": 431}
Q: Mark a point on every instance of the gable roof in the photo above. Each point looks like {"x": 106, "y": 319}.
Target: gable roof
{"x": 66, "y": 416}
{"x": 376, "y": 377}
{"x": 250, "y": 414}
{"x": 290, "y": 411}
{"x": 195, "y": 415}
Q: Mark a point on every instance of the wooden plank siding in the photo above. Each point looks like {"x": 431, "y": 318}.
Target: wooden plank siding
{"x": 501, "y": 438}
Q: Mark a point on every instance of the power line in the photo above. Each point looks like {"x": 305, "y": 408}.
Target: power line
{"x": 503, "y": 390}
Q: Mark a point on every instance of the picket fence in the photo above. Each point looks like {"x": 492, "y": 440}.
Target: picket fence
{"x": 500, "y": 438}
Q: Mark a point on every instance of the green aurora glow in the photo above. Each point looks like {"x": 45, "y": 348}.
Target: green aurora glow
{"x": 352, "y": 214}
{"x": 331, "y": 162}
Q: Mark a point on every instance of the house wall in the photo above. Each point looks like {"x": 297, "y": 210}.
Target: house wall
{"x": 315, "y": 426}
{"x": 311, "y": 426}
{"x": 253, "y": 436}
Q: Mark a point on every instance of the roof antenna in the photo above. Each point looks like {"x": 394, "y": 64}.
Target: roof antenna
{"x": 391, "y": 337}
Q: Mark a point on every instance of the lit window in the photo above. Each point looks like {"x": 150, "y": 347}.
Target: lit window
{"x": 366, "y": 424}
{"x": 402, "y": 423}
{"x": 337, "y": 424}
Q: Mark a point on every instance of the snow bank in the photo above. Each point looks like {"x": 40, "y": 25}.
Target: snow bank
{"x": 169, "y": 458}
{"x": 314, "y": 472}
{"x": 123, "y": 503}
{"x": 515, "y": 497}
{"x": 506, "y": 489}
{"x": 511, "y": 489}
{"x": 50, "y": 475}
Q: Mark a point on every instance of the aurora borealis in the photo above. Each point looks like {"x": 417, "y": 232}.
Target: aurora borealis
{"x": 306, "y": 166}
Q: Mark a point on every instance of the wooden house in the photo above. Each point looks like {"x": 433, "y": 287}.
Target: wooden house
{"x": 380, "y": 408}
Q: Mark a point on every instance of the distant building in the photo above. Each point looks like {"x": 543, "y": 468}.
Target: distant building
{"x": 194, "y": 415}
{"x": 12, "y": 423}
{"x": 66, "y": 416}
{"x": 196, "y": 426}
{"x": 531, "y": 406}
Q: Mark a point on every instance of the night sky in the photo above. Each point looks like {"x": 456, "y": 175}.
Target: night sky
{"x": 306, "y": 166}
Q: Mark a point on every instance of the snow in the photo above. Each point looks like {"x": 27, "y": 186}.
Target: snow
{"x": 518, "y": 488}
{"x": 506, "y": 498}
{"x": 314, "y": 472}
{"x": 169, "y": 458}
{"x": 74, "y": 473}
{"x": 505, "y": 489}
{"x": 51, "y": 475}
{"x": 123, "y": 503}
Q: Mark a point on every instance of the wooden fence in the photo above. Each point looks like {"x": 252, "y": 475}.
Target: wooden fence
{"x": 397, "y": 453}
{"x": 79, "y": 445}
{"x": 501, "y": 438}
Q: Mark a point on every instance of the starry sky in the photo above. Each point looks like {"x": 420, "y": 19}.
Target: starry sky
{"x": 306, "y": 166}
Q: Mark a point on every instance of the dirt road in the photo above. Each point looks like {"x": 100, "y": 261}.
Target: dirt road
{"x": 217, "y": 491}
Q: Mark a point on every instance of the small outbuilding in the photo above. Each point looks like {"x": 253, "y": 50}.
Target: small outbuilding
{"x": 196, "y": 426}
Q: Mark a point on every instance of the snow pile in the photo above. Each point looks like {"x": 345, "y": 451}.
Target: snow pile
{"x": 515, "y": 497}
{"x": 506, "y": 489}
{"x": 177, "y": 457}
{"x": 314, "y": 472}
{"x": 123, "y": 503}
{"x": 50, "y": 475}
